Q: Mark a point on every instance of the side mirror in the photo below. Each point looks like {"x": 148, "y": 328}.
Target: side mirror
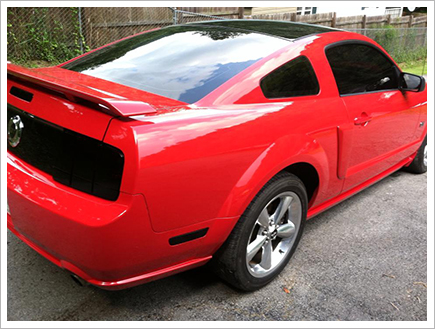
{"x": 411, "y": 82}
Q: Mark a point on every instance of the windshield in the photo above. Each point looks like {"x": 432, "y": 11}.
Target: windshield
{"x": 182, "y": 62}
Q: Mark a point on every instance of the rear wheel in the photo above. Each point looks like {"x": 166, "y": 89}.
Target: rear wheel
{"x": 419, "y": 164}
{"x": 266, "y": 235}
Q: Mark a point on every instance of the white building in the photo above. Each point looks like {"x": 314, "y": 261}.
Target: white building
{"x": 343, "y": 11}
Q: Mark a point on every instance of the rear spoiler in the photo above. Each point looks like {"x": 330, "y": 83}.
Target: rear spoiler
{"x": 74, "y": 92}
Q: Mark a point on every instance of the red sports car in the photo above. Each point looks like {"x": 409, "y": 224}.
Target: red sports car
{"x": 207, "y": 141}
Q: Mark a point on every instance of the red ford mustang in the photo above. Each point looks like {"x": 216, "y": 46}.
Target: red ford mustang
{"x": 208, "y": 141}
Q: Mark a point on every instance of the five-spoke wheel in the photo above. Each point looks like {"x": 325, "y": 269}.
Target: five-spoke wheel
{"x": 273, "y": 234}
{"x": 266, "y": 235}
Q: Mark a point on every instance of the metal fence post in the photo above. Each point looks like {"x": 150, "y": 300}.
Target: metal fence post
{"x": 80, "y": 30}
{"x": 174, "y": 16}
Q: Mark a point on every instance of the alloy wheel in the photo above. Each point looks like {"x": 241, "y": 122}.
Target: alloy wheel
{"x": 273, "y": 234}
{"x": 425, "y": 156}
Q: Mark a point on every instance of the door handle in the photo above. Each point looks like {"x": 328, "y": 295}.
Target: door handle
{"x": 363, "y": 120}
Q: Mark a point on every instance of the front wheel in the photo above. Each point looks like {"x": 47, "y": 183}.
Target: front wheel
{"x": 266, "y": 235}
{"x": 419, "y": 164}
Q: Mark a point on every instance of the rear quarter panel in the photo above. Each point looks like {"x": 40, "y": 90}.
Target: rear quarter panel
{"x": 197, "y": 165}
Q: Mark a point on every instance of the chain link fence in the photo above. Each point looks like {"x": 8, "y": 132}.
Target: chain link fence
{"x": 403, "y": 44}
{"x": 48, "y": 36}
{"x": 43, "y": 34}
{"x": 183, "y": 17}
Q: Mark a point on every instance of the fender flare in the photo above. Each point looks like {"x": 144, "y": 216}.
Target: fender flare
{"x": 288, "y": 150}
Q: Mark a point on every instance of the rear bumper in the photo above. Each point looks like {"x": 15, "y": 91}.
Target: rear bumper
{"x": 108, "y": 244}
{"x": 111, "y": 285}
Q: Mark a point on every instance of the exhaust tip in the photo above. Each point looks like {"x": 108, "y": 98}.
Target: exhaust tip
{"x": 78, "y": 280}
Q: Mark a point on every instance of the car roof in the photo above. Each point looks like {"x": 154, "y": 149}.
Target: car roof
{"x": 282, "y": 29}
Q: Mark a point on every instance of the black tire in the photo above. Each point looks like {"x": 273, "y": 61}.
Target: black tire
{"x": 418, "y": 165}
{"x": 230, "y": 261}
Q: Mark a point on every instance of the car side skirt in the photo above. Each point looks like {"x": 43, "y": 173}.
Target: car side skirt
{"x": 341, "y": 197}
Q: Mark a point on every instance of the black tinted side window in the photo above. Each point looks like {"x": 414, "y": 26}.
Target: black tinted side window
{"x": 360, "y": 68}
{"x": 295, "y": 78}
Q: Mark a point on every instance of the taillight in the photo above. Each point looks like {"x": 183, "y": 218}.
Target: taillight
{"x": 89, "y": 165}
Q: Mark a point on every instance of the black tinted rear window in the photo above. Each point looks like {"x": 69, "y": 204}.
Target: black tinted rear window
{"x": 295, "y": 78}
{"x": 181, "y": 62}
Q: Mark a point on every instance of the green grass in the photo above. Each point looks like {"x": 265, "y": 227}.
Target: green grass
{"x": 415, "y": 67}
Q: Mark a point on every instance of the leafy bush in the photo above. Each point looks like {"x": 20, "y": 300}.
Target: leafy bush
{"x": 404, "y": 45}
{"x": 43, "y": 34}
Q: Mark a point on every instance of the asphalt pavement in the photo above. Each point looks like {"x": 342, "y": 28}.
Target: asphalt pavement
{"x": 364, "y": 259}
